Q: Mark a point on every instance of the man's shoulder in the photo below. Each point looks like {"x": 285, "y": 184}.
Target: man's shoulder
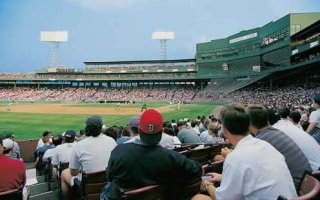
{"x": 16, "y": 163}
{"x": 65, "y": 146}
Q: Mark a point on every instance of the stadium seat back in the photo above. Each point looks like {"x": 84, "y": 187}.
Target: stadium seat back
{"x": 151, "y": 192}
{"x": 15, "y": 194}
{"x": 310, "y": 188}
{"x": 200, "y": 155}
{"x": 91, "y": 185}
{"x": 316, "y": 174}
{"x": 185, "y": 191}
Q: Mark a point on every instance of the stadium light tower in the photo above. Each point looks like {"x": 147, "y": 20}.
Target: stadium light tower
{"x": 55, "y": 38}
{"x": 163, "y": 37}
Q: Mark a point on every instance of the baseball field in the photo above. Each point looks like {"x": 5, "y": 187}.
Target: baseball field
{"x": 29, "y": 120}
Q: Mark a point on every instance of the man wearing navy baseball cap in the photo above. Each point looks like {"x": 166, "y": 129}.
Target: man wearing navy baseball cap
{"x": 144, "y": 162}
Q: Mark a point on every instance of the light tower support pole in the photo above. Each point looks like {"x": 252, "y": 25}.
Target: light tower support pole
{"x": 55, "y": 54}
{"x": 163, "y": 49}
{"x": 55, "y": 38}
{"x": 163, "y": 37}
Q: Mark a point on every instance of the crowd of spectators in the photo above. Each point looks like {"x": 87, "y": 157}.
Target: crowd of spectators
{"x": 162, "y": 94}
{"x": 287, "y": 95}
{"x": 290, "y": 95}
{"x": 149, "y": 136}
{"x": 140, "y": 67}
{"x": 115, "y": 76}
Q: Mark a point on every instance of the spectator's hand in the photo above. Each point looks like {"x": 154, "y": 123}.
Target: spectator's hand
{"x": 215, "y": 176}
{"x": 225, "y": 151}
{"x": 204, "y": 185}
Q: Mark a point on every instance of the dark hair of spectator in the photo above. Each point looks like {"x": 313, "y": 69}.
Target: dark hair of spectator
{"x": 258, "y": 116}
{"x": 214, "y": 128}
{"x": 193, "y": 123}
{"x": 45, "y": 133}
{"x": 57, "y": 140}
{"x": 311, "y": 109}
{"x": 81, "y": 132}
{"x": 235, "y": 119}
{"x": 126, "y": 131}
{"x": 168, "y": 131}
{"x": 134, "y": 130}
{"x": 295, "y": 116}
{"x": 284, "y": 112}
{"x": 273, "y": 116}
{"x": 92, "y": 130}
{"x": 1, "y": 140}
{"x": 111, "y": 132}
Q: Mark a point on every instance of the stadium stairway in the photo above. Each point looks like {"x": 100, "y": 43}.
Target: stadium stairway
{"x": 39, "y": 190}
{"x": 228, "y": 85}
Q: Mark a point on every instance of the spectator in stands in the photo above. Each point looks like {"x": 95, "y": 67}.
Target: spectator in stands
{"x": 314, "y": 126}
{"x": 295, "y": 117}
{"x": 254, "y": 169}
{"x": 213, "y": 131}
{"x": 47, "y": 144}
{"x": 167, "y": 140}
{"x": 81, "y": 135}
{"x": 12, "y": 171}
{"x": 62, "y": 153}
{"x": 91, "y": 154}
{"x": 186, "y": 135}
{"x": 45, "y": 147}
{"x": 210, "y": 135}
{"x": 56, "y": 141}
{"x": 124, "y": 135}
{"x": 195, "y": 126}
{"x": 8, "y": 145}
{"x": 44, "y": 140}
{"x": 294, "y": 157}
{"x": 112, "y": 132}
{"x": 16, "y": 149}
{"x": 133, "y": 125}
{"x": 305, "y": 142}
{"x": 143, "y": 162}
{"x": 169, "y": 130}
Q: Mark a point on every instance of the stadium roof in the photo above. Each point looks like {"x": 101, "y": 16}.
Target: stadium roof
{"x": 140, "y": 61}
{"x": 308, "y": 31}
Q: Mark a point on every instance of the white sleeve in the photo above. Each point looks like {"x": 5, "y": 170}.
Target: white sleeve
{"x": 55, "y": 158}
{"x": 314, "y": 117}
{"x": 74, "y": 160}
{"x": 39, "y": 144}
{"x": 231, "y": 186}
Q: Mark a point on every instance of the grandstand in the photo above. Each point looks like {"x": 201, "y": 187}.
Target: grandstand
{"x": 251, "y": 55}
{"x": 285, "y": 49}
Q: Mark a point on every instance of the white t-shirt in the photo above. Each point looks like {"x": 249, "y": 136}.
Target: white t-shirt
{"x": 315, "y": 117}
{"x": 132, "y": 139}
{"x": 92, "y": 154}
{"x": 255, "y": 170}
{"x": 62, "y": 153}
{"x": 306, "y": 143}
{"x": 167, "y": 141}
{"x": 48, "y": 154}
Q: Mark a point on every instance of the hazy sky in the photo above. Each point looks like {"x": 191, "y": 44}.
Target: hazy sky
{"x": 116, "y": 30}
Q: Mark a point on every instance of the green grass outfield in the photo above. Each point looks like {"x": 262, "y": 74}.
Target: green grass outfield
{"x": 30, "y": 126}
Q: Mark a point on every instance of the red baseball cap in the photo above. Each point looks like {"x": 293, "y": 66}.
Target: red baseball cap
{"x": 150, "y": 127}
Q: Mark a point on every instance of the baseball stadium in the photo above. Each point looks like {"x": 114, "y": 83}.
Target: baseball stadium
{"x": 275, "y": 65}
